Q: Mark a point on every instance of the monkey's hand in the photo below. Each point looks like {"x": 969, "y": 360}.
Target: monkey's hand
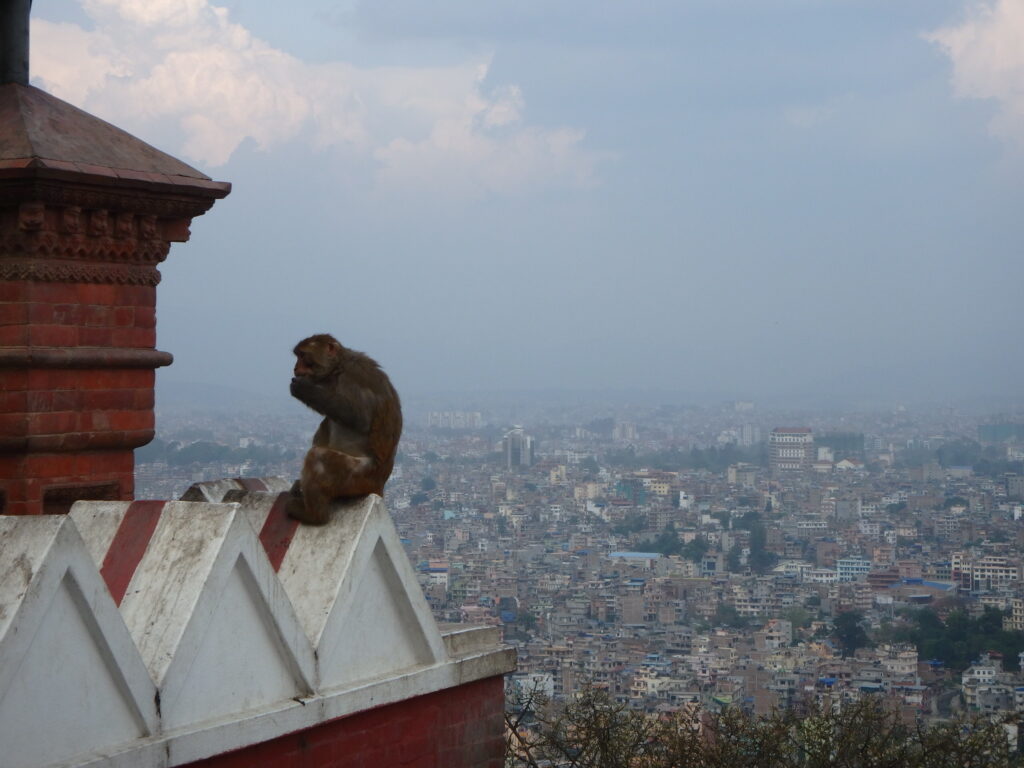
{"x": 350, "y": 408}
{"x": 303, "y": 389}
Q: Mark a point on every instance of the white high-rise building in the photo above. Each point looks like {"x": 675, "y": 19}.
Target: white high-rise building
{"x": 791, "y": 449}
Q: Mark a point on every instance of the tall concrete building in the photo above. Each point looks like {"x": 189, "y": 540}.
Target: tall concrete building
{"x": 790, "y": 449}
{"x": 518, "y": 448}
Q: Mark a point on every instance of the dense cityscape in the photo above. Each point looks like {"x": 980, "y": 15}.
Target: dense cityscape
{"x": 698, "y": 557}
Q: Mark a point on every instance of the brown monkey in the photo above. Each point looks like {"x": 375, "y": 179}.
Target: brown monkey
{"x": 354, "y": 448}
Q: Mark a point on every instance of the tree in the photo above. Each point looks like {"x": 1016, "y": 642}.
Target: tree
{"x": 760, "y": 560}
{"x": 633, "y": 522}
{"x": 695, "y": 549}
{"x": 797, "y": 616}
{"x": 849, "y": 632}
{"x": 732, "y": 560}
{"x": 960, "y": 639}
{"x": 668, "y": 542}
{"x": 593, "y": 731}
{"x": 726, "y": 615}
{"x": 428, "y": 484}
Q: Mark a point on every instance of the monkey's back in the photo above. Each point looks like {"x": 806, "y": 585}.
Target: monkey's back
{"x": 386, "y": 424}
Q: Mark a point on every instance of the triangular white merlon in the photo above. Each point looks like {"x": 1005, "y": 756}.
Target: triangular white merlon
{"x": 71, "y": 683}
{"x": 357, "y": 596}
{"x": 203, "y": 605}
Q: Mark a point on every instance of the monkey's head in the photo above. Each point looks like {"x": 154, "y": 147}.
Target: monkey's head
{"x": 317, "y": 357}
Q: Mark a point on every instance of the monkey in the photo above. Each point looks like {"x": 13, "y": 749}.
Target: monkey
{"x": 353, "y": 449}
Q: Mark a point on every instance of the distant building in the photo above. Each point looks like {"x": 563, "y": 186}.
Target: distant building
{"x": 790, "y": 449}
{"x": 455, "y": 419}
{"x": 852, "y": 568}
{"x": 742, "y": 474}
{"x": 750, "y": 434}
{"x": 518, "y": 448}
{"x": 1015, "y": 486}
{"x": 625, "y": 431}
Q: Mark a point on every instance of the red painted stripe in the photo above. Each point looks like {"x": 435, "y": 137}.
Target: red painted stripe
{"x": 252, "y": 483}
{"x": 129, "y": 545}
{"x": 278, "y": 530}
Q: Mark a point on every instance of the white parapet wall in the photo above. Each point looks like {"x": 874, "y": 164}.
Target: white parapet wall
{"x": 160, "y": 633}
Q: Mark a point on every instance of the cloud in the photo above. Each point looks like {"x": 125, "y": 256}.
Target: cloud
{"x": 988, "y": 60}
{"x": 183, "y": 72}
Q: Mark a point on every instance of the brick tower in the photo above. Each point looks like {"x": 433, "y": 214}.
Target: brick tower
{"x": 87, "y": 212}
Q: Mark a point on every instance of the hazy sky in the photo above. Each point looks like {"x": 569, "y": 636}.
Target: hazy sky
{"x": 751, "y": 197}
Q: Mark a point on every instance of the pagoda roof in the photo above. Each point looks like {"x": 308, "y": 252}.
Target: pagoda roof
{"x": 39, "y": 131}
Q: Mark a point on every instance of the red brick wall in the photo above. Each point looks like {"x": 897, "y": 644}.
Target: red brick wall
{"x": 461, "y": 727}
{"x": 77, "y": 314}
{"x": 73, "y": 427}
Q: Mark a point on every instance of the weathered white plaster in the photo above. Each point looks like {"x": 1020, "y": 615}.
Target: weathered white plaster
{"x": 71, "y": 681}
{"x": 98, "y": 522}
{"x": 214, "y": 628}
{"x": 463, "y": 639}
{"x": 210, "y": 617}
{"x": 357, "y": 596}
{"x": 255, "y": 505}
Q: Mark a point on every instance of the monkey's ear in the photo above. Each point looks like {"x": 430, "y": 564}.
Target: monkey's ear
{"x": 333, "y": 347}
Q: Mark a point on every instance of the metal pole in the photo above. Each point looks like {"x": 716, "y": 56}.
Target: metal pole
{"x": 14, "y": 41}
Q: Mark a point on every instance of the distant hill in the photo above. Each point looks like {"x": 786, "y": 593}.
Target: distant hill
{"x": 198, "y": 396}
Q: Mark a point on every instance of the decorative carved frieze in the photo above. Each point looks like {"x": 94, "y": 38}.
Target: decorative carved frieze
{"x": 90, "y": 245}
{"x": 51, "y": 271}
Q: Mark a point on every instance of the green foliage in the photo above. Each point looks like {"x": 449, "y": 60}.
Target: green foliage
{"x": 748, "y": 520}
{"x": 797, "y": 616}
{"x": 960, "y": 639}
{"x": 593, "y": 731}
{"x": 695, "y": 549}
{"x": 633, "y": 522}
{"x": 850, "y": 633}
{"x": 760, "y": 560}
{"x": 428, "y": 484}
{"x": 419, "y": 498}
{"x": 668, "y": 543}
{"x": 732, "y": 560}
{"x": 727, "y": 616}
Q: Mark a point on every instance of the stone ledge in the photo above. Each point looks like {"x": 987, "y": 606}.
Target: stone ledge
{"x": 464, "y": 639}
{"x": 83, "y": 357}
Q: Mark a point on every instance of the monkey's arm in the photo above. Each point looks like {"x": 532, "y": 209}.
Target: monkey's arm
{"x": 352, "y": 406}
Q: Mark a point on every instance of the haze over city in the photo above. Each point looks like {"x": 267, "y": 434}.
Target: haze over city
{"x": 727, "y": 198}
